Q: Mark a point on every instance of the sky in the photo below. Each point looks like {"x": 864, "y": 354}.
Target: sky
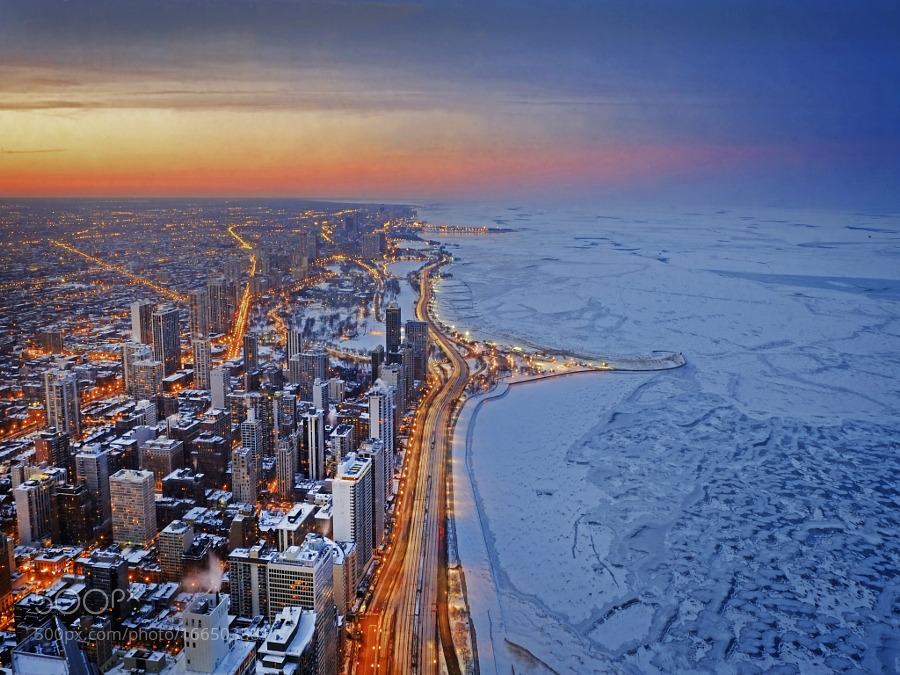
{"x": 722, "y": 102}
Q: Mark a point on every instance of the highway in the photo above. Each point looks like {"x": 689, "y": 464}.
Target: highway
{"x": 406, "y": 621}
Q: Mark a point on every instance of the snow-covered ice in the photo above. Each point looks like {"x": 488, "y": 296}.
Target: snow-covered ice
{"x": 737, "y": 515}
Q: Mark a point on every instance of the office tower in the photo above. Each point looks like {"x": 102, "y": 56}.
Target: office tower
{"x": 251, "y": 352}
{"x": 336, "y": 391}
{"x": 248, "y": 581}
{"x": 133, "y": 507}
{"x": 175, "y": 540}
{"x": 344, "y": 579}
{"x": 320, "y": 394}
{"x": 52, "y": 447}
{"x": 290, "y": 647}
{"x": 377, "y": 357}
{"x": 211, "y": 453}
{"x": 252, "y": 439}
{"x": 72, "y": 515}
{"x": 218, "y": 298}
{"x": 199, "y": 301}
{"x": 167, "y": 339}
{"x": 161, "y": 456}
{"x": 92, "y": 471}
{"x": 132, "y": 352}
{"x": 342, "y": 440}
{"x": 373, "y": 450}
{"x": 141, "y": 330}
{"x": 392, "y": 375}
{"x": 34, "y": 508}
{"x": 106, "y": 580}
{"x": 286, "y": 466}
{"x": 417, "y": 337}
{"x": 314, "y": 423}
{"x": 353, "y": 507}
{"x": 147, "y": 379}
{"x": 305, "y": 367}
{"x": 294, "y": 343}
{"x": 220, "y": 386}
{"x": 52, "y": 341}
{"x": 392, "y": 327}
{"x": 202, "y": 363}
{"x": 244, "y": 479}
{"x": 207, "y": 647}
{"x": 302, "y": 576}
{"x": 263, "y": 405}
{"x": 62, "y": 411}
{"x": 381, "y": 427}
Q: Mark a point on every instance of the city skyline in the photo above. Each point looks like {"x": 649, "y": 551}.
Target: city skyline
{"x": 749, "y": 102}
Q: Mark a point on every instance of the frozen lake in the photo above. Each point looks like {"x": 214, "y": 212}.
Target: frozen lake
{"x": 735, "y": 515}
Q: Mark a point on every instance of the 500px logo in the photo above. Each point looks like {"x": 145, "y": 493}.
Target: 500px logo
{"x": 94, "y": 601}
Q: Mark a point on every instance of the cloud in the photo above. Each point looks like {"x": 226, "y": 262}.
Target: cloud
{"x": 3, "y": 151}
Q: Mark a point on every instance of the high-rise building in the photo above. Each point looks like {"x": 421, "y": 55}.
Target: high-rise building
{"x": 202, "y": 363}
{"x": 73, "y": 517}
{"x": 286, "y": 466}
{"x": 394, "y": 376}
{"x": 220, "y": 387}
{"x": 132, "y": 352}
{"x": 133, "y": 507}
{"x": 34, "y": 508}
{"x": 305, "y": 367}
{"x": 175, "y": 540}
{"x": 377, "y": 358}
{"x": 207, "y": 647}
{"x": 353, "y": 507}
{"x": 221, "y": 302}
{"x": 162, "y": 456}
{"x": 343, "y": 440}
{"x": 167, "y": 339}
{"x": 294, "y": 343}
{"x": 141, "y": 330}
{"x": 392, "y": 327}
{"x": 52, "y": 341}
{"x": 251, "y": 352}
{"x": 290, "y": 647}
{"x": 314, "y": 423}
{"x": 147, "y": 377}
{"x": 302, "y": 576}
{"x": 381, "y": 427}
{"x": 320, "y": 394}
{"x": 199, "y": 301}
{"x": 92, "y": 471}
{"x": 247, "y": 581}
{"x": 252, "y": 439}
{"x": 244, "y": 479}
{"x": 62, "y": 411}
{"x": 373, "y": 450}
{"x": 52, "y": 447}
{"x": 212, "y": 454}
{"x": 417, "y": 337}
{"x": 106, "y": 580}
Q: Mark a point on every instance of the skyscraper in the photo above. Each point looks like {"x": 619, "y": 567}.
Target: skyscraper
{"x": 377, "y": 358}
{"x": 161, "y": 456}
{"x": 354, "y": 507}
{"x": 52, "y": 447}
{"x": 302, "y": 576}
{"x": 220, "y": 387}
{"x": 305, "y": 367}
{"x": 199, "y": 301}
{"x": 314, "y": 422}
{"x": 392, "y": 327}
{"x": 248, "y": 581}
{"x": 34, "y": 508}
{"x": 174, "y": 541}
{"x": 132, "y": 352}
{"x": 244, "y": 479}
{"x": 381, "y": 427}
{"x": 220, "y": 302}
{"x": 417, "y": 337}
{"x": 373, "y": 450}
{"x": 141, "y": 331}
{"x": 147, "y": 377}
{"x": 92, "y": 470}
{"x": 286, "y": 466}
{"x": 62, "y": 411}
{"x": 167, "y": 339}
{"x": 133, "y": 507}
{"x": 106, "y": 580}
{"x": 251, "y": 352}
{"x": 294, "y": 342}
{"x": 252, "y": 439}
{"x": 202, "y": 363}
